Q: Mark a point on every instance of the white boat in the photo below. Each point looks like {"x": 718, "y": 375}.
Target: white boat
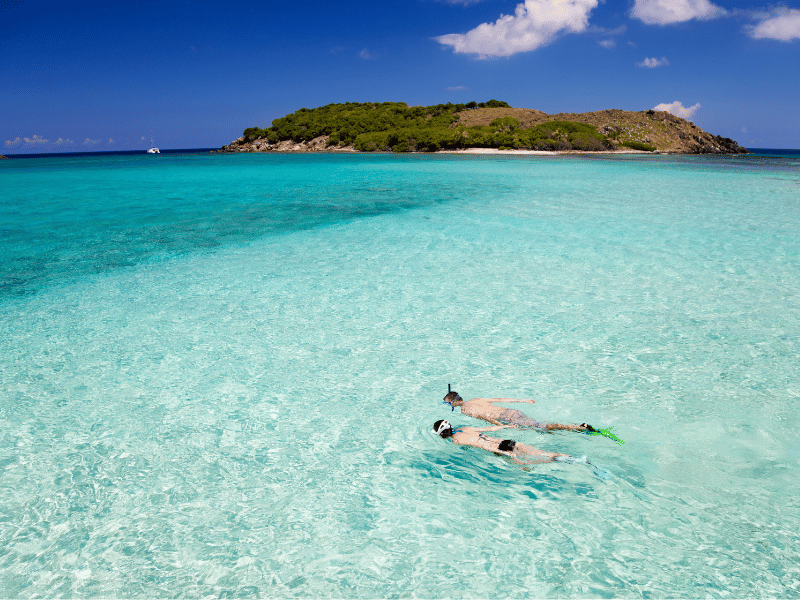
{"x": 153, "y": 149}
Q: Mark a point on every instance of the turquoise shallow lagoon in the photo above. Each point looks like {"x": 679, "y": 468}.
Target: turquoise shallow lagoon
{"x": 219, "y": 375}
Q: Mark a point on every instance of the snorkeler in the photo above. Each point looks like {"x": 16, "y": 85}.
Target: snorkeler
{"x": 484, "y": 408}
{"x": 521, "y": 454}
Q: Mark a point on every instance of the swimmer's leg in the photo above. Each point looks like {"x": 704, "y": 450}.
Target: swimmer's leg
{"x": 528, "y": 423}
{"x": 533, "y": 456}
{"x": 582, "y": 428}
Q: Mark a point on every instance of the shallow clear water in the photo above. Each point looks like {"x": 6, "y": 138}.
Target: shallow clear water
{"x": 219, "y": 375}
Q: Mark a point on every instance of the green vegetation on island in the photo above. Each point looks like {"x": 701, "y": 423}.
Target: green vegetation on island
{"x": 638, "y": 146}
{"x": 397, "y": 127}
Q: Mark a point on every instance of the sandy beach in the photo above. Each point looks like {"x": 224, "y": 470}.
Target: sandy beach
{"x": 538, "y": 152}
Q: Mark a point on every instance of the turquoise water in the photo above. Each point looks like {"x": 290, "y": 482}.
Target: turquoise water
{"x": 219, "y": 375}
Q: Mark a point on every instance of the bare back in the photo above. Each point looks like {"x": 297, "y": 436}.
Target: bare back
{"x": 473, "y": 436}
{"x": 484, "y": 408}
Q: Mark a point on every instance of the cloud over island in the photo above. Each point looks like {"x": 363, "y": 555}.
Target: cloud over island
{"x": 535, "y": 23}
{"x": 678, "y": 109}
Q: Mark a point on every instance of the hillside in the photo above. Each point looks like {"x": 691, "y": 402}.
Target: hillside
{"x": 396, "y": 127}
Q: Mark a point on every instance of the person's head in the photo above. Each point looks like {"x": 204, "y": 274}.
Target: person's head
{"x": 452, "y": 398}
{"x": 443, "y": 428}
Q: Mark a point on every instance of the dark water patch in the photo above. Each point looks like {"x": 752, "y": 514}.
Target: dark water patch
{"x": 74, "y": 216}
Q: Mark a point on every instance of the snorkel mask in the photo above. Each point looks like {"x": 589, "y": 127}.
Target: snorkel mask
{"x": 443, "y": 426}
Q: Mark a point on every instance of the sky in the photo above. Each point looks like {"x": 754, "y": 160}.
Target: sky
{"x": 80, "y": 76}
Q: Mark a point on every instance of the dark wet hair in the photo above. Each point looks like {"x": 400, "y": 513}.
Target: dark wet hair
{"x": 446, "y": 433}
{"x": 452, "y": 396}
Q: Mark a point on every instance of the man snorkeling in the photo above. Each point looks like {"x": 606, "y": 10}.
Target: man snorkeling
{"x": 484, "y": 408}
{"x": 520, "y": 453}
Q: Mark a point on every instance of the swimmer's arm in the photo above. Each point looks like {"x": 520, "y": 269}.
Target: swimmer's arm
{"x": 495, "y": 428}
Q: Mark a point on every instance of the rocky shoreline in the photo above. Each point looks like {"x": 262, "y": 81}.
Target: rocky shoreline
{"x": 318, "y": 144}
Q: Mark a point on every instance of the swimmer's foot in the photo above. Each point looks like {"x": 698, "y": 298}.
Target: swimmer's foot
{"x": 578, "y": 460}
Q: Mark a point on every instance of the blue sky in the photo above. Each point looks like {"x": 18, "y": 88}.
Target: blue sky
{"x": 91, "y": 76}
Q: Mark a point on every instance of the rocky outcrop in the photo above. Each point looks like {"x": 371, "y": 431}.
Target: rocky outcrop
{"x": 319, "y": 144}
{"x": 661, "y": 129}
{"x": 2, "y": 157}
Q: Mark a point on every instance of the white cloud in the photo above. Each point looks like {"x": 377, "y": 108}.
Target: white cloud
{"x": 535, "y": 23}
{"x": 782, "y": 24}
{"x": 678, "y": 109}
{"x": 365, "y": 54}
{"x": 110, "y": 141}
{"x": 91, "y": 142}
{"x": 457, "y": 88}
{"x": 36, "y": 140}
{"x": 653, "y": 63}
{"x": 13, "y": 142}
{"x": 609, "y": 34}
{"x": 60, "y": 141}
{"x": 663, "y": 12}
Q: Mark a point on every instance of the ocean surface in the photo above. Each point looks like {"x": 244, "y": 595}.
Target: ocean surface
{"x": 219, "y": 375}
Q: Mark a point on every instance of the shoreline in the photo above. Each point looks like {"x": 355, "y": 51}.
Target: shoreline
{"x": 463, "y": 151}
{"x": 319, "y": 145}
{"x": 539, "y": 152}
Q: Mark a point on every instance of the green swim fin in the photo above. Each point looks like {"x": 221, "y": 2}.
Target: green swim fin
{"x": 608, "y": 432}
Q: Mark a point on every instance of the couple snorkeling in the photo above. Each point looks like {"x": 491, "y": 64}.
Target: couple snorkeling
{"x": 505, "y": 418}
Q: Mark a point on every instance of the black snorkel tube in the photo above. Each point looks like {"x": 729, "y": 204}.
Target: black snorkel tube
{"x": 452, "y": 408}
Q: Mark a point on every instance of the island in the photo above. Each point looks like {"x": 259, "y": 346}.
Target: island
{"x": 492, "y": 125}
